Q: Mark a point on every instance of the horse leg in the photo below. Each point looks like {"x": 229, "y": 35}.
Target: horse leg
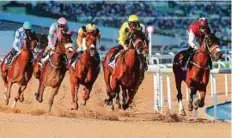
{"x": 19, "y": 95}
{"x": 190, "y": 104}
{"x": 129, "y": 98}
{"x": 118, "y": 99}
{"x": 39, "y": 93}
{"x": 200, "y": 102}
{"x": 87, "y": 89}
{"x": 179, "y": 97}
{"x": 51, "y": 100}
{"x": 74, "y": 91}
{"x": 7, "y": 94}
{"x": 107, "y": 82}
{"x": 124, "y": 96}
{"x": 112, "y": 94}
{"x": 4, "y": 77}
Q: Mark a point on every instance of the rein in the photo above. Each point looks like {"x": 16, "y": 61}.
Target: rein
{"x": 207, "y": 52}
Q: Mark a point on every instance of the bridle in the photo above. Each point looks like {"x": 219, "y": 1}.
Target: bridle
{"x": 209, "y": 50}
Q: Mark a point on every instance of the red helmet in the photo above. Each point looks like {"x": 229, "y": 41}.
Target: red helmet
{"x": 203, "y": 23}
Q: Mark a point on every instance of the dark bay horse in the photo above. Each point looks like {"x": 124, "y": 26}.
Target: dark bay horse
{"x": 85, "y": 72}
{"x": 53, "y": 71}
{"x": 128, "y": 72}
{"x": 20, "y": 71}
{"x": 197, "y": 73}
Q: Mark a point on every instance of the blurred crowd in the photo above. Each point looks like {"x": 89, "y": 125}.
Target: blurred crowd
{"x": 171, "y": 19}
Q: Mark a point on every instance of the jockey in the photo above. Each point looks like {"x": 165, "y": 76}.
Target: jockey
{"x": 82, "y": 33}
{"x": 196, "y": 34}
{"x": 55, "y": 33}
{"x": 133, "y": 24}
{"x": 90, "y": 28}
{"x": 20, "y": 35}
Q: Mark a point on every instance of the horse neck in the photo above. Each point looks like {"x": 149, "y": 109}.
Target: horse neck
{"x": 24, "y": 58}
{"x": 85, "y": 57}
{"x": 130, "y": 57}
{"x": 201, "y": 57}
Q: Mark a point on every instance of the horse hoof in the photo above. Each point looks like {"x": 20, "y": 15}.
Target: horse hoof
{"x": 40, "y": 100}
{"x": 196, "y": 104}
{"x": 111, "y": 107}
{"x": 6, "y": 101}
{"x": 182, "y": 113}
{"x": 36, "y": 95}
{"x": 74, "y": 107}
{"x": 106, "y": 101}
{"x": 21, "y": 98}
{"x": 125, "y": 106}
{"x": 190, "y": 106}
{"x": 83, "y": 103}
{"x": 119, "y": 106}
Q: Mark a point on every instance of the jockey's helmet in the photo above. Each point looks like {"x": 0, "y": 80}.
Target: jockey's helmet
{"x": 91, "y": 27}
{"x": 203, "y": 23}
{"x": 62, "y": 22}
{"x": 133, "y": 22}
{"x": 27, "y": 25}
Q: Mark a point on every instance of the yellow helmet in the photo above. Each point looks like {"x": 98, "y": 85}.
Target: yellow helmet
{"x": 91, "y": 27}
{"x": 133, "y": 18}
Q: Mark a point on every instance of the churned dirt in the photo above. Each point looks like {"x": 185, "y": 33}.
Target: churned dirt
{"x": 30, "y": 118}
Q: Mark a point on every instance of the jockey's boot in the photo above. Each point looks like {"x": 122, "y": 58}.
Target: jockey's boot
{"x": 13, "y": 52}
{"x": 114, "y": 56}
{"x": 210, "y": 64}
{"x": 187, "y": 54}
{"x": 73, "y": 58}
{"x": 44, "y": 58}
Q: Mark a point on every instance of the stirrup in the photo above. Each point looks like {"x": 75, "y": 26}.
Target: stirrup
{"x": 112, "y": 64}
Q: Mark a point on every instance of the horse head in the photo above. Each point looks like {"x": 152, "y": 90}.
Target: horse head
{"x": 139, "y": 42}
{"x": 31, "y": 42}
{"x": 91, "y": 41}
{"x": 211, "y": 46}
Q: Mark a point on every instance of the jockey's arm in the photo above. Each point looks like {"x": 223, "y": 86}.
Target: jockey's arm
{"x": 192, "y": 40}
{"x": 16, "y": 41}
{"x": 51, "y": 34}
{"x": 122, "y": 35}
{"x": 80, "y": 37}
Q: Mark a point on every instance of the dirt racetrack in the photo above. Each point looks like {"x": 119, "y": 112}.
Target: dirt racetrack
{"x": 30, "y": 118}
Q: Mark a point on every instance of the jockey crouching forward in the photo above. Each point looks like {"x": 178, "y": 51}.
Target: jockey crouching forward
{"x": 87, "y": 30}
{"x": 196, "y": 34}
{"x": 55, "y": 34}
{"x": 20, "y": 35}
{"x": 133, "y": 24}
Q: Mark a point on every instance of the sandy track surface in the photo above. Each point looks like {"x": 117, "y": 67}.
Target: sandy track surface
{"x": 30, "y": 118}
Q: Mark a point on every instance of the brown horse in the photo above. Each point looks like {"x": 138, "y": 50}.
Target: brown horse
{"x": 197, "y": 73}
{"x": 85, "y": 72}
{"x": 128, "y": 72}
{"x": 53, "y": 71}
{"x": 20, "y": 71}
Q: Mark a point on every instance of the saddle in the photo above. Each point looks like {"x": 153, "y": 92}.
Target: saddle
{"x": 76, "y": 56}
{"x": 9, "y": 60}
{"x": 113, "y": 58}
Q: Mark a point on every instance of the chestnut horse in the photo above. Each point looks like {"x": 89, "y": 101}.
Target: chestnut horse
{"x": 197, "y": 73}
{"x": 128, "y": 72}
{"x": 53, "y": 71}
{"x": 85, "y": 71}
{"x": 20, "y": 71}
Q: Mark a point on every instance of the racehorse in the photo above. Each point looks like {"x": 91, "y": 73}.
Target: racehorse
{"x": 197, "y": 74}
{"x": 85, "y": 71}
{"x": 20, "y": 70}
{"x": 53, "y": 71}
{"x": 128, "y": 72}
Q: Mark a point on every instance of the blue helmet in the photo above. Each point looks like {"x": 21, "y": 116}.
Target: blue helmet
{"x": 27, "y": 25}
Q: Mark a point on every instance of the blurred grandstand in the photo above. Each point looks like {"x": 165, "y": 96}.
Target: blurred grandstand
{"x": 169, "y": 18}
